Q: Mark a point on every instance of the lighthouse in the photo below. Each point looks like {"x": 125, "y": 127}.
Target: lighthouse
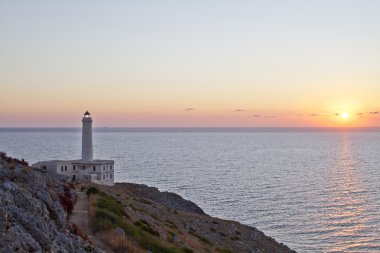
{"x": 98, "y": 171}
{"x": 87, "y": 137}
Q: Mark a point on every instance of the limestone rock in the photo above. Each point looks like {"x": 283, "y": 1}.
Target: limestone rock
{"x": 119, "y": 232}
{"x": 32, "y": 218}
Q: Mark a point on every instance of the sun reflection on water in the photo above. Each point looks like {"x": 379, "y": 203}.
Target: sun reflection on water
{"x": 346, "y": 215}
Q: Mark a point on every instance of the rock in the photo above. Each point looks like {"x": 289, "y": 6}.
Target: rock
{"x": 32, "y": 218}
{"x": 167, "y": 199}
{"x": 119, "y": 232}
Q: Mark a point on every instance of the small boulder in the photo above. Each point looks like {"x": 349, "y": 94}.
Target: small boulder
{"x": 119, "y": 232}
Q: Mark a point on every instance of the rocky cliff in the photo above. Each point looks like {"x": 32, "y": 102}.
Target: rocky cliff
{"x": 172, "y": 223}
{"x": 35, "y": 205}
{"x": 33, "y": 211}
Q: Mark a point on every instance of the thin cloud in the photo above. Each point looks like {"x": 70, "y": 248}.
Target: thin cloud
{"x": 313, "y": 115}
{"x": 264, "y": 116}
{"x": 189, "y": 109}
{"x": 239, "y": 110}
{"x": 374, "y": 113}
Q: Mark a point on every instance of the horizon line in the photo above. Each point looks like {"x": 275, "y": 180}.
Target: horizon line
{"x": 192, "y": 129}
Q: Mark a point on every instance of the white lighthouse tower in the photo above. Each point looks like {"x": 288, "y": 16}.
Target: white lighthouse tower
{"x": 97, "y": 171}
{"x": 87, "y": 138}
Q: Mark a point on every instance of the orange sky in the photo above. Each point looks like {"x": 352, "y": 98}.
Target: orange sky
{"x": 214, "y": 64}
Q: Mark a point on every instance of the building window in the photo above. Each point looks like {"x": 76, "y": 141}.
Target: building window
{"x": 61, "y": 168}
{"x": 104, "y": 176}
{"x": 110, "y": 175}
{"x": 83, "y": 167}
{"x": 94, "y": 168}
{"x": 104, "y": 168}
{"x": 65, "y": 168}
{"x": 73, "y": 167}
{"x": 111, "y": 166}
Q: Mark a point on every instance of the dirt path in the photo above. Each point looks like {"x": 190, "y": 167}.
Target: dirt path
{"x": 79, "y": 216}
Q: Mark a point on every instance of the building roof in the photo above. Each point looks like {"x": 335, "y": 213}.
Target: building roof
{"x": 93, "y": 162}
{"x": 79, "y": 162}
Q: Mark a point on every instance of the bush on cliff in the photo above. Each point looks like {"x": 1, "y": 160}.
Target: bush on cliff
{"x": 108, "y": 214}
{"x": 67, "y": 203}
{"x": 92, "y": 190}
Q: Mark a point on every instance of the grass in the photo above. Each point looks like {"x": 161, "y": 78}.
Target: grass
{"x": 170, "y": 224}
{"x": 26, "y": 169}
{"x": 111, "y": 204}
{"x": 136, "y": 209}
{"x": 155, "y": 217}
{"x": 201, "y": 238}
{"x": 144, "y": 201}
{"x": 144, "y": 225}
{"x": 108, "y": 214}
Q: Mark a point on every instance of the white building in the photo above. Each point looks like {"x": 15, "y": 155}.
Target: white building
{"x": 97, "y": 171}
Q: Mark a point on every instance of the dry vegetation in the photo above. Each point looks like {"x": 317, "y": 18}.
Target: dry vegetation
{"x": 159, "y": 229}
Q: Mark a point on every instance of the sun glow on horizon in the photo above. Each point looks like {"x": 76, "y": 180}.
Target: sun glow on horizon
{"x": 345, "y": 115}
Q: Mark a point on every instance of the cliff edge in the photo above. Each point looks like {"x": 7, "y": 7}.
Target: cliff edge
{"x": 33, "y": 211}
{"x": 35, "y": 206}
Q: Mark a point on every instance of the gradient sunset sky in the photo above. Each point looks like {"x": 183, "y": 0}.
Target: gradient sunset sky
{"x": 190, "y": 63}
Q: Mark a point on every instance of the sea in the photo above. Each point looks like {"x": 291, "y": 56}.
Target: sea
{"x": 313, "y": 189}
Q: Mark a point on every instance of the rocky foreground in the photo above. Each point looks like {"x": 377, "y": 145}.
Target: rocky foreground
{"x": 33, "y": 211}
{"x": 35, "y": 205}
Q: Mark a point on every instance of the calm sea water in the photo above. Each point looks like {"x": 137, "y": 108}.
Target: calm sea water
{"x": 316, "y": 191}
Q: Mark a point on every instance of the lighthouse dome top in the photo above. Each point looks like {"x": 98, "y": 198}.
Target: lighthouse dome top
{"x": 87, "y": 114}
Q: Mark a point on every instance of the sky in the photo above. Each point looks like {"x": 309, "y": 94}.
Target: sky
{"x": 197, "y": 63}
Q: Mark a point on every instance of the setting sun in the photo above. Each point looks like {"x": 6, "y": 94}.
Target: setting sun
{"x": 344, "y": 115}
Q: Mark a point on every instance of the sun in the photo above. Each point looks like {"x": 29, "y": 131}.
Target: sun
{"x": 344, "y": 115}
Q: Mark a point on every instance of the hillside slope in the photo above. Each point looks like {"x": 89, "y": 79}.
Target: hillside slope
{"x": 33, "y": 211}
{"x": 165, "y": 222}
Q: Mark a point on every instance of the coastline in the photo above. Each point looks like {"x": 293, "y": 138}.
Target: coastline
{"x": 35, "y": 207}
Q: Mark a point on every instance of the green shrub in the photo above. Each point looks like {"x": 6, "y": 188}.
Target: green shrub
{"x": 141, "y": 223}
{"x": 92, "y": 190}
{"x": 111, "y": 204}
{"x": 144, "y": 201}
{"x": 109, "y": 214}
{"x": 170, "y": 224}
{"x": 187, "y": 250}
{"x": 144, "y": 225}
{"x": 106, "y": 220}
{"x": 203, "y": 239}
